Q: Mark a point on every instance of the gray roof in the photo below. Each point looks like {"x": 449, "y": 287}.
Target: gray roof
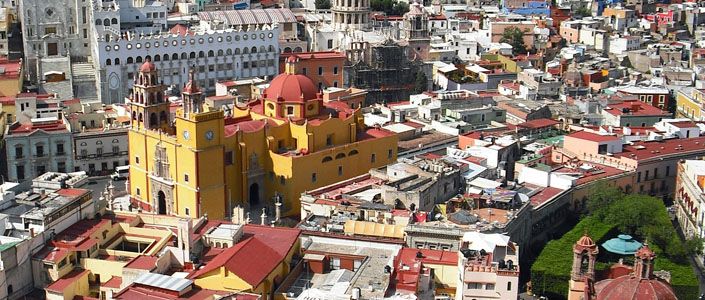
{"x": 250, "y": 16}
{"x": 164, "y": 281}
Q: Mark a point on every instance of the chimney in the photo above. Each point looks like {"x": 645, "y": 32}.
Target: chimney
{"x": 635, "y": 107}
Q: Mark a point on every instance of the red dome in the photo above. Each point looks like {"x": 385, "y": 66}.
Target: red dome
{"x": 191, "y": 87}
{"x": 148, "y": 66}
{"x": 585, "y": 242}
{"x": 630, "y": 287}
{"x": 645, "y": 252}
{"x": 291, "y": 87}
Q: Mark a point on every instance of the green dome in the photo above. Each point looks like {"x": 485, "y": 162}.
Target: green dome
{"x": 623, "y": 244}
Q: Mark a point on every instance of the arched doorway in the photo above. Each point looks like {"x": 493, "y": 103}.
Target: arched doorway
{"x": 161, "y": 203}
{"x": 254, "y": 194}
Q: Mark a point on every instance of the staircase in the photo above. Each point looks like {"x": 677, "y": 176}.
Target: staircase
{"x": 83, "y": 77}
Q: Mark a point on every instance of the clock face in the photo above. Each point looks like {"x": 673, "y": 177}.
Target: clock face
{"x": 209, "y": 135}
{"x": 187, "y": 134}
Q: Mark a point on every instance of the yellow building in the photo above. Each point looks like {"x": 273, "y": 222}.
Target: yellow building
{"x": 11, "y": 79}
{"x": 689, "y": 103}
{"x": 257, "y": 263}
{"x": 288, "y": 141}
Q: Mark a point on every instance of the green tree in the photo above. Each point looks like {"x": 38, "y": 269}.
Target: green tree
{"x": 390, "y": 7}
{"x": 600, "y": 198}
{"x": 514, "y": 37}
{"x": 322, "y": 4}
{"x": 421, "y": 82}
{"x": 694, "y": 246}
{"x": 582, "y": 12}
{"x": 633, "y": 214}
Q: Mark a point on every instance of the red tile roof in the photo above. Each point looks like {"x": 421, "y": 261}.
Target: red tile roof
{"x": 544, "y": 195}
{"x": 314, "y": 55}
{"x": 19, "y": 128}
{"x": 594, "y": 137}
{"x": 684, "y": 124}
{"x": 52, "y": 254}
{"x": 634, "y": 108}
{"x": 12, "y": 68}
{"x": 60, "y": 285}
{"x": 260, "y": 251}
{"x": 538, "y": 123}
{"x": 134, "y": 292}
{"x": 143, "y": 262}
{"x": 644, "y": 150}
{"x": 72, "y": 192}
{"x": 113, "y": 283}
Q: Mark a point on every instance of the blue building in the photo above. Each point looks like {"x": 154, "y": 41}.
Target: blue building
{"x": 526, "y": 7}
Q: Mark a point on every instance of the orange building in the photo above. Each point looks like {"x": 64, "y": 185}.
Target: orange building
{"x": 324, "y": 68}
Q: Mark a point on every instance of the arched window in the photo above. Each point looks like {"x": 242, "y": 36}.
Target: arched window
{"x": 98, "y": 22}
{"x": 106, "y": 22}
{"x": 163, "y": 118}
{"x": 176, "y": 56}
{"x": 165, "y": 57}
{"x": 245, "y": 50}
{"x": 228, "y": 51}
{"x": 254, "y": 49}
{"x": 134, "y": 116}
{"x": 117, "y": 61}
{"x": 271, "y": 48}
{"x": 99, "y": 142}
{"x": 220, "y": 52}
{"x": 108, "y": 62}
{"x": 183, "y": 55}
{"x": 298, "y": 49}
{"x": 354, "y": 152}
{"x": 340, "y": 155}
{"x": 192, "y": 55}
{"x": 201, "y": 54}
{"x": 153, "y": 119}
{"x": 261, "y": 49}
{"x": 139, "y": 118}
{"x": 211, "y": 53}
{"x": 130, "y": 60}
{"x": 139, "y": 59}
{"x": 148, "y": 58}
{"x": 113, "y": 21}
{"x": 287, "y": 50}
{"x": 157, "y": 58}
{"x": 327, "y": 159}
{"x": 237, "y": 51}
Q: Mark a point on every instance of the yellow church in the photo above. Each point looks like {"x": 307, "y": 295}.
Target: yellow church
{"x": 278, "y": 146}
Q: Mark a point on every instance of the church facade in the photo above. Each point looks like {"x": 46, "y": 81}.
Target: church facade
{"x": 200, "y": 162}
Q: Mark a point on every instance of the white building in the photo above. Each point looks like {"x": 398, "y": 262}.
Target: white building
{"x": 219, "y": 54}
{"x": 620, "y": 45}
{"x": 689, "y": 200}
{"x": 489, "y": 265}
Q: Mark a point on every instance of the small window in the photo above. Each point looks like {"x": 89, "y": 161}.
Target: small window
{"x": 282, "y": 180}
{"x": 187, "y": 211}
{"x": 186, "y": 177}
{"x": 390, "y": 153}
{"x": 509, "y": 286}
{"x": 137, "y": 159}
{"x": 489, "y": 286}
{"x": 329, "y": 140}
{"x": 373, "y": 158}
{"x": 138, "y": 191}
{"x": 289, "y": 110}
{"x": 335, "y": 70}
{"x": 228, "y": 159}
{"x": 313, "y": 177}
{"x": 320, "y": 70}
{"x": 340, "y": 170}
